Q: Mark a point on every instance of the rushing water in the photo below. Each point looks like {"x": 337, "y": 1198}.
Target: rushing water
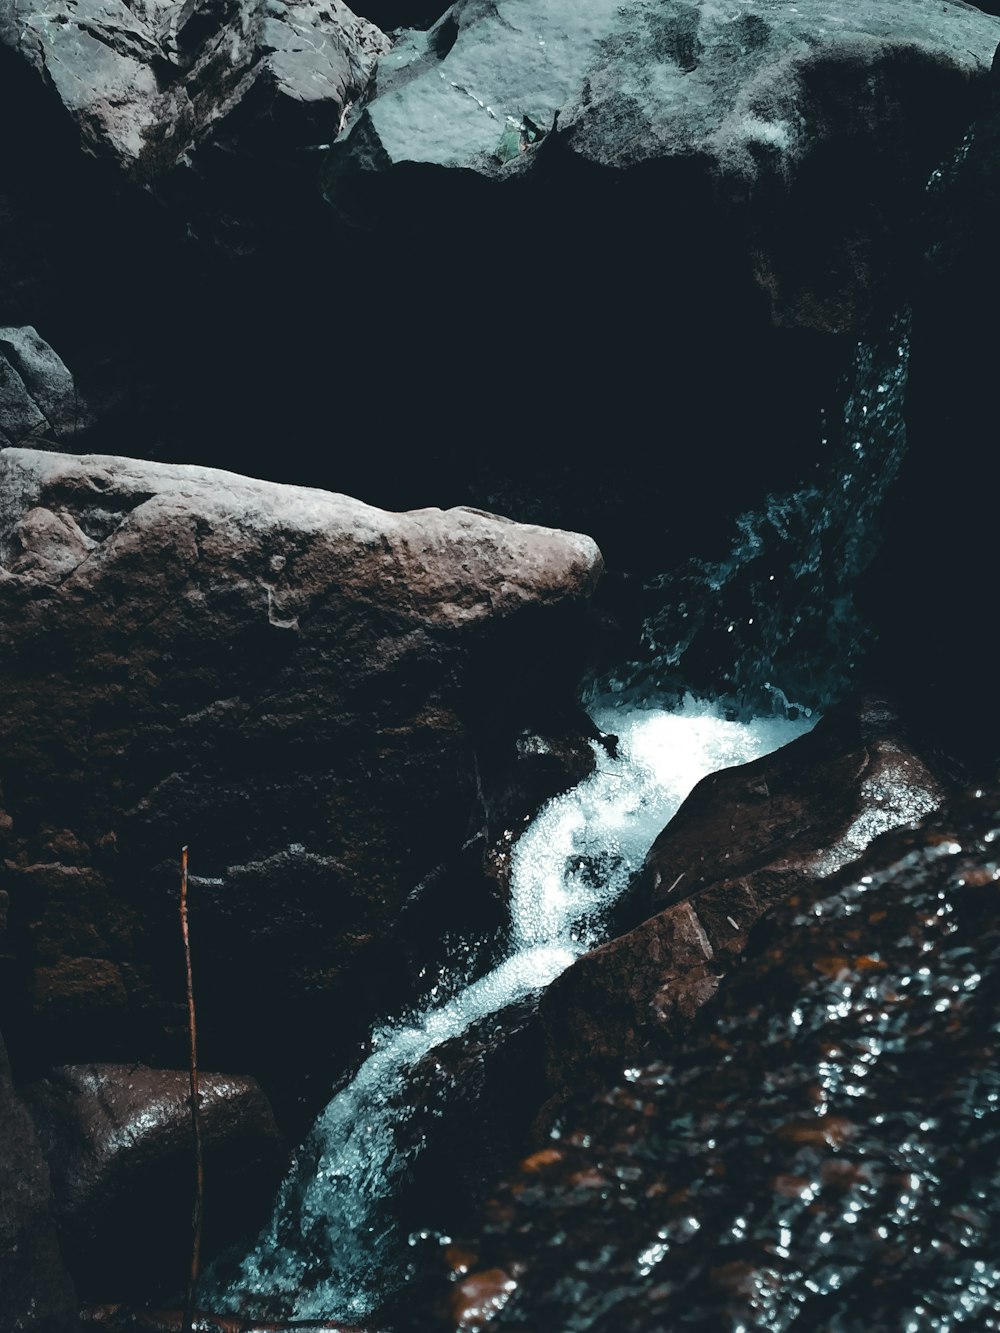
{"x": 331, "y": 1247}
{"x": 773, "y": 621}
{"x": 774, "y": 618}
{"x": 823, "y": 1152}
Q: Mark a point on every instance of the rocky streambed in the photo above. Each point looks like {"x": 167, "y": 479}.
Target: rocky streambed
{"x": 510, "y": 488}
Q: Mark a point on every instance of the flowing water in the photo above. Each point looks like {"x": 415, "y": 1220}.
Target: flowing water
{"x": 775, "y": 621}
{"x": 331, "y": 1247}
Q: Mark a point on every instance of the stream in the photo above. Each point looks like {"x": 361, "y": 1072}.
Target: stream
{"x": 776, "y": 618}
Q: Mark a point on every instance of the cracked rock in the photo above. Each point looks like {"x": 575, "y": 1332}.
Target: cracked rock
{"x": 217, "y": 107}
{"x": 39, "y": 402}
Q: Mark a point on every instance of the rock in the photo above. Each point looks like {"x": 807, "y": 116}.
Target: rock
{"x": 745, "y": 839}
{"x": 469, "y": 1105}
{"x": 937, "y": 550}
{"x": 36, "y": 1294}
{"x": 314, "y": 695}
{"x": 221, "y": 104}
{"x": 38, "y": 397}
{"x": 118, "y": 1141}
{"x": 823, "y": 1149}
{"x": 813, "y": 132}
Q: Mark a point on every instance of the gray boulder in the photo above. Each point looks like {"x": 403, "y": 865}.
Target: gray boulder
{"x": 324, "y": 700}
{"x": 813, "y": 127}
{"x": 38, "y": 396}
{"x": 214, "y": 103}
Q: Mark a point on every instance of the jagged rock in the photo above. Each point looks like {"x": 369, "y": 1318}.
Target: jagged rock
{"x": 118, "y": 1141}
{"x": 36, "y": 1294}
{"x": 38, "y": 397}
{"x": 814, "y": 131}
{"x": 219, "y": 103}
{"x": 311, "y": 693}
{"x": 745, "y": 839}
{"x": 823, "y": 1150}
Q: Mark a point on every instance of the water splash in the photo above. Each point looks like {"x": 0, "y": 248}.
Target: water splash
{"x": 776, "y": 616}
{"x": 332, "y": 1248}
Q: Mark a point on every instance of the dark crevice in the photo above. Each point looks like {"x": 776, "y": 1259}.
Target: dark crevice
{"x": 392, "y": 14}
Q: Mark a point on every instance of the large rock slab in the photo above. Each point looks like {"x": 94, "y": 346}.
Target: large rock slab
{"x": 322, "y": 699}
{"x": 825, "y": 1148}
{"x": 745, "y": 839}
{"x": 118, "y": 1141}
{"x": 36, "y": 1294}
{"x": 814, "y": 129}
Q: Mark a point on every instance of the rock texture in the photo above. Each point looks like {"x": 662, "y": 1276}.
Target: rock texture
{"x": 824, "y": 1149}
{"x": 745, "y": 839}
{"x": 38, "y": 397}
{"x": 118, "y": 1141}
{"x": 815, "y": 130}
{"x": 222, "y": 101}
{"x": 314, "y": 695}
{"x": 36, "y": 1294}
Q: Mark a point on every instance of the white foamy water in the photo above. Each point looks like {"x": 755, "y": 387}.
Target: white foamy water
{"x": 331, "y": 1248}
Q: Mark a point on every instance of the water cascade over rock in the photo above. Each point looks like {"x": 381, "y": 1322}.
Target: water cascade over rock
{"x": 331, "y": 1249}
{"x": 622, "y": 269}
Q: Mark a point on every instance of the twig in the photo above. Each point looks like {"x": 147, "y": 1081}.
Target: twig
{"x": 199, "y": 1172}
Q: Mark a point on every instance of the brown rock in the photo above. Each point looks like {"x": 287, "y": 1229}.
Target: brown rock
{"x": 36, "y": 1294}
{"x": 325, "y": 701}
{"x": 744, "y": 839}
{"x": 118, "y": 1140}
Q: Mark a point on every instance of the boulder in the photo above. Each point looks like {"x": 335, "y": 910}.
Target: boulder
{"x": 316, "y": 696}
{"x": 823, "y": 1149}
{"x": 118, "y": 1141}
{"x": 745, "y": 839}
{"x": 812, "y": 132}
{"x": 36, "y": 1293}
{"x": 220, "y": 104}
{"x": 38, "y": 397}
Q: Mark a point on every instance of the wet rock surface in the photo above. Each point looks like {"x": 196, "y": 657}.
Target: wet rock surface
{"x": 824, "y": 1148}
{"x": 469, "y": 1106}
{"x": 118, "y": 1141}
{"x": 745, "y": 839}
{"x": 296, "y": 685}
{"x": 36, "y": 1292}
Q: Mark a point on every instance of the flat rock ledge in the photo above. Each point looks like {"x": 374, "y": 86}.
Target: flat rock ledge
{"x": 322, "y": 699}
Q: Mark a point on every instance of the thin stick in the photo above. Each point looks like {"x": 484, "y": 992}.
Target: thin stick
{"x": 199, "y": 1172}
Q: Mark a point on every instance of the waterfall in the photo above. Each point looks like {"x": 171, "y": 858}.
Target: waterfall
{"x": 774, "y": 620}
{"x": 773, "y": 626}
{"x": 331, "y": 1249}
